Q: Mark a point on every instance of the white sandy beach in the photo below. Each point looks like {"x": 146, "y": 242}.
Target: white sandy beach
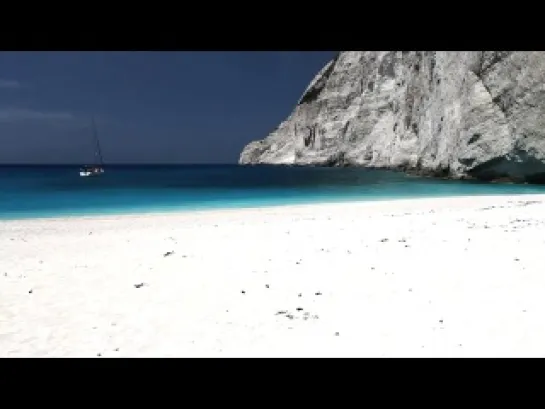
{"x": 460, "y": 277}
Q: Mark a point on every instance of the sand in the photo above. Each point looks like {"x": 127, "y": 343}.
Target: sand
{"x": 460, "y": 277}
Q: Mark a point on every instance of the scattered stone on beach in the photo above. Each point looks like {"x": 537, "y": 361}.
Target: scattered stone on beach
{"x": 441, "y": 321}
{"x": 383, "y": 240}
{"x": 299, "y": 295}
{"x": 139, "y": 285}
{"x": 99, "y": 354}
{"x": 266, "y": 285}
{"x": 337, "y": 334}
{"x": 168, "y": 253}
{"x": 299, "y": 309}
{"x": 318, "y": 293}
{"x": 281, "y": 312}
{"x": 410, "y": 290}
{"x": 30, "y": 291}
{"x": 517, "y": 259}
{"x": 243, "y": 292}
{"x": 116, "y": 349}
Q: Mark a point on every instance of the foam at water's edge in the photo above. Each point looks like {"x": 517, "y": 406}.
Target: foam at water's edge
{"x": 240, "y": 204}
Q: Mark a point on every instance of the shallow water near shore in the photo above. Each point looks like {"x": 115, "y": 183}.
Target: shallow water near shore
{"x": 57, "y": 191}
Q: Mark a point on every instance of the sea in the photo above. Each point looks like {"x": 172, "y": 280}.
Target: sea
{"x": 59, "y": 191}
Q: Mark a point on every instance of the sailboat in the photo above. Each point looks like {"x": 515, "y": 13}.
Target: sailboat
{"x": 96, "y": 169}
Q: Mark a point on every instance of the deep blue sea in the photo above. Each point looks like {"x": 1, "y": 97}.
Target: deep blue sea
{"x": 52, "y": 191}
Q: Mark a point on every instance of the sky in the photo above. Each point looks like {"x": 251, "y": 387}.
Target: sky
{"x": 149, "y": 107}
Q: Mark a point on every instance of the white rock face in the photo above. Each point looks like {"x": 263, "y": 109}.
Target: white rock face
{"x": 478, "y": 114}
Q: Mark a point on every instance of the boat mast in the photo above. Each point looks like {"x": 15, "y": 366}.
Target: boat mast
{"x": 98, "y": 152}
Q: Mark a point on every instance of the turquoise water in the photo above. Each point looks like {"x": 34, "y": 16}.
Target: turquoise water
{"x": 52, "y": 191}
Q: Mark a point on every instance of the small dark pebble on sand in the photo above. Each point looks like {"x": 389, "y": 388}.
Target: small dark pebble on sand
{"x": 441, "y": 321}
{"x": 116, "y": 350}
{"x": 168, "y": 253}
{"x": 299, "y": 309}
{"x": 30, "y": 291}
{"x": 281, "y": 312}
{"x": 139, "y": 285}
{"x": 243, "y": 292}
{"x": 383, "y": 240}
{"x": 516, "y": 259}
{"x": 336, "y": 334}
{"x": 299, "y": 295}
{"x": 318, "y": 293}
{"x": 266, "y": 285}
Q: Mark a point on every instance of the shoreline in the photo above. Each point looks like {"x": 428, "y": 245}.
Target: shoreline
{"x": 444, "y": 277}
{"x": 272, "y": 207}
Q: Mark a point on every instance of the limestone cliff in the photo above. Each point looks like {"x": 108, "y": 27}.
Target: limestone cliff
{"x": 456, "y": 114}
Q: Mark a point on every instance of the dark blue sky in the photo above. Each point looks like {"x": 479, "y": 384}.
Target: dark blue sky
{"x": 150, "y": 107}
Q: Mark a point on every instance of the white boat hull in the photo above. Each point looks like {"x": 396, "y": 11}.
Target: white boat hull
{"x": 87, "y": 173}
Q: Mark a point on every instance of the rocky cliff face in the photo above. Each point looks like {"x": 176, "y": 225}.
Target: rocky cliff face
{"x": 474, "y": 114}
